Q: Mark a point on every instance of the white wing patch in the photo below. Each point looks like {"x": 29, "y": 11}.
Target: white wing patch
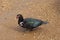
{"x": 21, "y": 23}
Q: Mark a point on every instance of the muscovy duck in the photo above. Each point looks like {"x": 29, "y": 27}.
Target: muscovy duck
{"x": 29, "y": 23}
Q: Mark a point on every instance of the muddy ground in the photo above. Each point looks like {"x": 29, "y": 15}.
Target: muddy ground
{"x": 46, "y": 10}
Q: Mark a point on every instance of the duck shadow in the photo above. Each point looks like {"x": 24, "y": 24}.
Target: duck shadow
{"x": 20, "y": 29}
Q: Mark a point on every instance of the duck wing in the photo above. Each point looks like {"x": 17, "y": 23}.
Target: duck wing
{"x": 33, "y": 22}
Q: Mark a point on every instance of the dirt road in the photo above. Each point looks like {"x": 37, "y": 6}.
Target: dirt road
{"x": 47, "y": 10}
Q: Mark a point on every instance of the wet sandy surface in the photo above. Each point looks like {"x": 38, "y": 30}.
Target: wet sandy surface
{"x": 47, "y": 10}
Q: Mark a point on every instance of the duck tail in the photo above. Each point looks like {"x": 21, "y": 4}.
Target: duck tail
{"x": 44, "y": 22}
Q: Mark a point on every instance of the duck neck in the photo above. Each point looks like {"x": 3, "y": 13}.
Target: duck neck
{"x": 20, "y": 20}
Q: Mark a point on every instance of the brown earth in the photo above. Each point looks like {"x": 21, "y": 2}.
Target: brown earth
{"x": 47, "y": 10}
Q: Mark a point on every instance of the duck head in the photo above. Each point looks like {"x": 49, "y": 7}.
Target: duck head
{"x": 20, "y": 18}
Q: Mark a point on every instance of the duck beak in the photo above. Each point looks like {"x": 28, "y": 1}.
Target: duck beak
{"x": 17, "y": 17}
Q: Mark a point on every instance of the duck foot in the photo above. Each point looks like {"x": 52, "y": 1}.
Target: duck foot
{"x": 30, "y": 29}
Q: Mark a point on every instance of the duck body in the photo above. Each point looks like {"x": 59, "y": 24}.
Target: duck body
{"x": 30, "y": 23}
{"x": 33, "y": 22}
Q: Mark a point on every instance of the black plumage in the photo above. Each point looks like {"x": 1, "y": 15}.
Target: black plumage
{"x": 29, "y": 23}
